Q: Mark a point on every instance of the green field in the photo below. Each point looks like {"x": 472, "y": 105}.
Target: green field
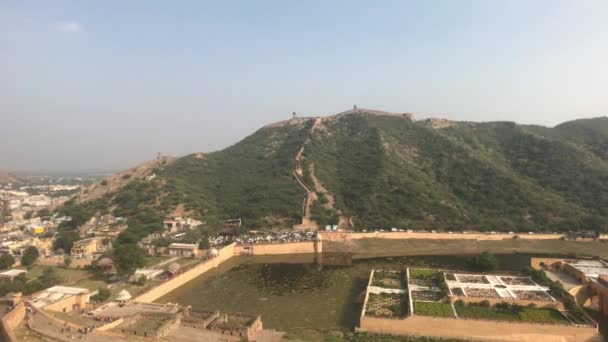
{"x": 433, "y": 309}
{"x": 66, "y": 275}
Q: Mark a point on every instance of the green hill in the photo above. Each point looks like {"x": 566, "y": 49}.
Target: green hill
{"x": 384, "y": 171}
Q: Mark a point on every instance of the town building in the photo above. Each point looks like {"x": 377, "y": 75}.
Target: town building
{"x": 180, "y": 224}
{"x": 11, "y": 274}
{"x": 84, "y": 248}
{"x": 183, "y": 249}
{"x": 62, "y": 298}
{"x": 585, "y": 280}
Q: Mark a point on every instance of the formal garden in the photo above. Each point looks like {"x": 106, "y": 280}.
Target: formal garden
{"x": 509, "y": 312}
{"x": 389, "y": 279}
{"x": 439, "y": 309}
{"x": 387, "y": 305}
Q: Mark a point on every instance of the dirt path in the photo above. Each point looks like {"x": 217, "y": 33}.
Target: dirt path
{"x": 344, "y": 222}
{"x": 311, "y": 196}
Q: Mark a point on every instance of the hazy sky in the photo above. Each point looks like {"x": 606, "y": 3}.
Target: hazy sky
{"x": 107, "y": 84}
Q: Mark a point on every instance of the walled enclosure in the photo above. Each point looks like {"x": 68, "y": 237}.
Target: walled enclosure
{"x": 309, "y": 247}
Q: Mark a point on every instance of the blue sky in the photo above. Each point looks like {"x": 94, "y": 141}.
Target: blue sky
{"x": 107, "y": 84}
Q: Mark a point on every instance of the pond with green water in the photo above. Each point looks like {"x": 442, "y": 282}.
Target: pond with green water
{"x": 295, "y": 293}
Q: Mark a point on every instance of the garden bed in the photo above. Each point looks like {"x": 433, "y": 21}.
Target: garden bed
{"x": 511, "y": 313}
{"x": 433, "y": 309}
{"x": 389, "y": 280}
{"x": 390, "y": 305}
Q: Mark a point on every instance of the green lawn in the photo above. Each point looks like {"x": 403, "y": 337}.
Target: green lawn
{"x": 90, "y": 284}
{"x": 416, "y": 273}
{"x": 188, "y": 261}
{"x": 538, "y": 315}
{"x": 66, "y": 275}
{"x": 152, "y": 260}
{"x": 433, "y": 309}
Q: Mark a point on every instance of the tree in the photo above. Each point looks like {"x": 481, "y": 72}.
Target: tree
{"x": 483, "y": 263}
{"x": 48, "y": 278}
{"x": 65, "y": 241}
{"x": 6, "y": 261}
{"x": 67, "y": 261}
{"x": 102, "y": 295}
{"x": 30, "y": 256}
{"x": 127, "y": 258}
{"x": 204, "y": 243}
{"x": 44, "y": 213}
{"x": 28, "y": 215}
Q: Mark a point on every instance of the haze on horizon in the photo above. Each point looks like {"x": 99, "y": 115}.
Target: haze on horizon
{"x": 108, "y": 84}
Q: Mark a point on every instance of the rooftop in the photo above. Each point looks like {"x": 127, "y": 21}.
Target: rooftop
{"x": 55, "y": 294}
{"x": 183, "y": 245}
{"x": 591, "y": 268}
{"x": 12, "y": 273}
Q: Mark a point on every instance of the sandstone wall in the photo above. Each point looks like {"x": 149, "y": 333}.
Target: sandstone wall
{"x": 480, "y": 330}
{"x": 275, "y": 249}
{"x": 444, "y": 236}
{"x": 153, "y": 294}
{"x": 10, "y": 321}
{"x": 552, "y": 263}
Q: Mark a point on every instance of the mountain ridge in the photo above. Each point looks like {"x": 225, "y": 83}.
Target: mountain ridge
{"x": 380, "y": 170}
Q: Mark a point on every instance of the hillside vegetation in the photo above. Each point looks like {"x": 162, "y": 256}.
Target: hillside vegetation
{"x": 386, "y": 171}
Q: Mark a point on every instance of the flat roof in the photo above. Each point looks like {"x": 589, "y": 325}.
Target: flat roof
{"x": 12, "y": 273}
{"x": 183, "y": 245}
{"x": 55, "y": 294}
{"x": 591, "y": 268}
{"x": 67, "y": 290}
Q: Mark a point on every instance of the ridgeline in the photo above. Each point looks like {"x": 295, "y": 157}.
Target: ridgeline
{"x": 380, "y": 170}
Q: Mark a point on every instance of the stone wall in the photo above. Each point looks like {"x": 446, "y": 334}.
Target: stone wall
{"x": 10, "y": 321}
{"x": 153, "y": 294}
{"x": 549, "y": 263}
{"x": 69, "y": 303}
{"x": 276, "y": 248}
{"x": 480, "y": 330}
{"x": 335, "y": 236}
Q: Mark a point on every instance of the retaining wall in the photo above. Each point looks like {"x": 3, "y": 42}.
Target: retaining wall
{"x": 448, "y": 236}
{"x": 10, "y": 321}
{"x": 479, "y": 330}
{"x": 153, "y": 294}
{"x": 275, "y": 249}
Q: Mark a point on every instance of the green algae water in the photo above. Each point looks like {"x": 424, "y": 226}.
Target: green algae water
{"x": 296, "y": 293}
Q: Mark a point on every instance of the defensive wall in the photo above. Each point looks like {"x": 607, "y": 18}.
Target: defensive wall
{"x": 153, "y": 294}
{"x": 311, "y": 247}
{"x": 10, "y": 321}
{"x": 276, "y": 248}
{"x": 348, "y": 236}
{"x": 480, "y": 330}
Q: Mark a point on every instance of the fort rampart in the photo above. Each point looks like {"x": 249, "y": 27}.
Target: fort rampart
{"x": 10, "y": 321}
{"x": 479, "y": 330}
